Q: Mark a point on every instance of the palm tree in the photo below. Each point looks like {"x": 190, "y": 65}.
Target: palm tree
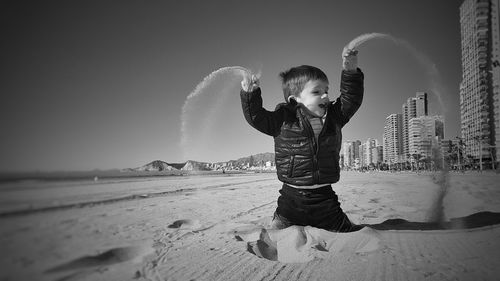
{"x": 416, "y": 157}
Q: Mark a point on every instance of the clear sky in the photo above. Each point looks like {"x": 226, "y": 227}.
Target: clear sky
{"x": 101, "y": 84}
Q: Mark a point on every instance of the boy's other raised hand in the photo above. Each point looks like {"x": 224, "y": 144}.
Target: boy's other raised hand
{"x": 350, "y": 59}
{"x": 249, "y": 84}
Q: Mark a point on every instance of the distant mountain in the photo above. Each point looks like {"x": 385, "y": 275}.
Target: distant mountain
{"x": 196, "y": 166}
{"x": 157, "y": 166}
{"x": 254, "y": 160}
{"x": 177, "y": 166}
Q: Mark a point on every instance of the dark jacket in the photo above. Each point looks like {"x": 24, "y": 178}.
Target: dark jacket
{"x": 300, "y": 158}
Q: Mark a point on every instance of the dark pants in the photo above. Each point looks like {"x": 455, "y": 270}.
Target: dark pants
{"x": 317, "y": 207}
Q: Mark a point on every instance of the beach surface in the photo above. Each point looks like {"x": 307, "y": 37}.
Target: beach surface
{"x": 217, "y": 227}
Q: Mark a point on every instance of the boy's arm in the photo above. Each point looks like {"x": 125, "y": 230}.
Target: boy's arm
{"x": 265, "y": 121}
{"x": 351, "y": 87}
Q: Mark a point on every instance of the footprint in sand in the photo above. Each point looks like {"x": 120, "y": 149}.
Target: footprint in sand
{"x": 264, "y": 247}
{"x": 185, "y": 224}
{"x": 108, "y": 257}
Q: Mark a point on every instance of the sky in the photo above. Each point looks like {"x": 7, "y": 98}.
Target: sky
{"x": 101, "y": 84}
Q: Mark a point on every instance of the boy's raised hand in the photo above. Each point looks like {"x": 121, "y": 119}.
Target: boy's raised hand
{"x": 350, "y": 59}
{"x": 249, "y": 84}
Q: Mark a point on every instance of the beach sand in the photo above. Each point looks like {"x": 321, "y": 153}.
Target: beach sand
{"x": 217, "y": 228}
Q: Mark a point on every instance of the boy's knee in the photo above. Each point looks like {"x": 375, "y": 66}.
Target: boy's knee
{"x": 279, "y": 222}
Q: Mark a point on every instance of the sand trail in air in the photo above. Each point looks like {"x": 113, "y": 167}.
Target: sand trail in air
{"x": 208, "y": 109}
{"x": 430, "y": 70}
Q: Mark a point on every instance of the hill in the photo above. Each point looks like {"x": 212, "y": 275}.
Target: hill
{"x": 157, "y": 166}
{"x": 254, "y": 160}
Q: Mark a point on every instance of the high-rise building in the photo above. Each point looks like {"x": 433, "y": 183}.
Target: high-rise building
{"x": 356, "y": 153}
{"x": 480, "y": 86}
{"x": 393, "y": 138}
{"x": 378, "y": 155}
{"x": 350, "y": 151}
{"x": 414, "y": 107}
{"x": 406, "y": 115}
{"x": 368, "y": 152}
{"x": 362, "y": 155}
{"x": 346, "y": 151}
{"x": 426, "y": 134}
{"x": 356, "y": 144}
{"x": 421, "y": 104}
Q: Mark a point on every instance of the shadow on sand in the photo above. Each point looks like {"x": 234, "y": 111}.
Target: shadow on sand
{"x": 86, "y": 265}
{"x": 472, "y": 221}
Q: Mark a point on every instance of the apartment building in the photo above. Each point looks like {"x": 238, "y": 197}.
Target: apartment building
{"x": 393, "y": 138}
{"x": 414, "y": 107}
{"x": 426, "y": 133}
{"x": 480, "y": 86}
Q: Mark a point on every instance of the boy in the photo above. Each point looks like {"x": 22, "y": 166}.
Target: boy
{"x": 307, "y": 140}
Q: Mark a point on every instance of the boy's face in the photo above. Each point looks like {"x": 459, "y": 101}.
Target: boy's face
{"x": 314, "y": 96}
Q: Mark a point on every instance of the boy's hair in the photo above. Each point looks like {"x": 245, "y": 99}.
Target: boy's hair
{"x": 294, "y": 79}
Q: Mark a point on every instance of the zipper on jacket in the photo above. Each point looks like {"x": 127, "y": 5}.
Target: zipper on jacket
{"x": 290, "y": 169}
{"x": 315, "y": 144}
{"x": 316, "y": 155}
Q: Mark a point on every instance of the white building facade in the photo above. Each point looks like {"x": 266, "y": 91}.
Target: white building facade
{"x": 393, "y": 139}
{"x": 480, "y": 86}
{"x": 426, "y": 134}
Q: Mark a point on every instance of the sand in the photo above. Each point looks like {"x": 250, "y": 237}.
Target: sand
{"x": 217, "y": 228}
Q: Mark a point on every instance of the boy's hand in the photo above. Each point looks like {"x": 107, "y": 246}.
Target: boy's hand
{"x": 250, "y": 84}
{"x": 350, "y": 59}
